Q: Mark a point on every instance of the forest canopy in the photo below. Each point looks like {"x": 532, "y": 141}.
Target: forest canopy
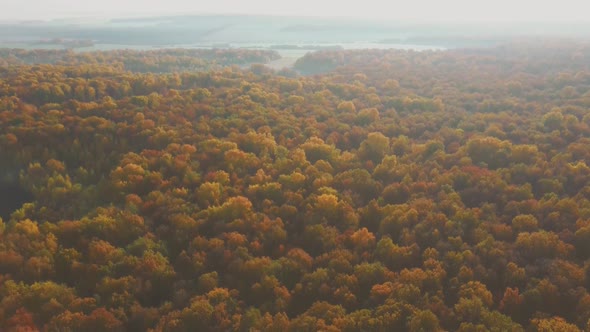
{"x": 384, "y": 190}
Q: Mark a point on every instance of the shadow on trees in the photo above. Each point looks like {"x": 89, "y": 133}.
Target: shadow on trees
{"x": 12, "y": 197}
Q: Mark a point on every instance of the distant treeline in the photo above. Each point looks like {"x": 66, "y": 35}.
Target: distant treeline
{"x": 157, "y": 61}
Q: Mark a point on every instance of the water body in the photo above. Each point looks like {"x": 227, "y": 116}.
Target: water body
{"x": 291, "y": 37}
{"x": 289, "y": 53}
{"x": 228, "y": 31}
{"x": 290, "y": 56}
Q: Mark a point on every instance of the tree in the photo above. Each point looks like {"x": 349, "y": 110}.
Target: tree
{"x": 553, "y": 324}
{"x": 374, "y": 148}
{"x": 424, "y": 321}
{"x": 489, "y": 151}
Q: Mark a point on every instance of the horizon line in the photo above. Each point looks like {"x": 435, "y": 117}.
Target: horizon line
{"x": 377, "y": 19}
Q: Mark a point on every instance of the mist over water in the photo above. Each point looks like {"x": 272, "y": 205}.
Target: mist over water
{"x": 286, "y": 34}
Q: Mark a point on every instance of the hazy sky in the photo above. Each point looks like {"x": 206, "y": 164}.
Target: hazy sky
{"x": 502, "y": 10}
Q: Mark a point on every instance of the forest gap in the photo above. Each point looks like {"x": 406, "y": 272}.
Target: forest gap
{"x": 12, "y": 197}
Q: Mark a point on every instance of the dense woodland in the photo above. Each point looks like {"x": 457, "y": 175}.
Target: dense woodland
{"x": 398, "y": 190}
{"x": 155, "y": 61}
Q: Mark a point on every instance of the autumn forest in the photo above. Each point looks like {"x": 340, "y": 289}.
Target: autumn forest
{"x": 360, "y": 190}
